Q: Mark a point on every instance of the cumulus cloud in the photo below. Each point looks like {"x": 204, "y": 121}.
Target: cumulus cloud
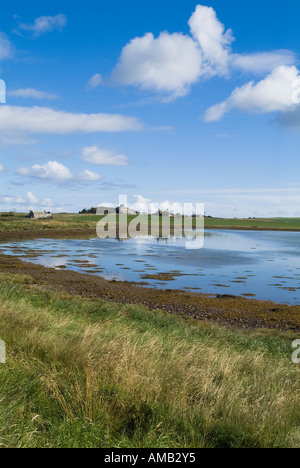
{"x": 95, "y": 155}
{"x": 43, "y": 25}
{"x": 6, "y": 48}
{"x": 168, "y": 64}
{"x": 171, "y": 63}
{"x": 214, "y": 41}
{"x": 53, "y": 171}
{"x": 95, "y": 81}
{"x": 1, "y": 168}
{"x": 274, "y": 93}
{"x": 32, "y": 93}
{"x": 19, "y": 121}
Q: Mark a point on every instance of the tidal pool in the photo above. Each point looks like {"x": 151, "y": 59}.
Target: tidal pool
{"x": 262, "y": 265}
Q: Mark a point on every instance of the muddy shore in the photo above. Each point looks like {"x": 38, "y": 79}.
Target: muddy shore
{"x": 7, "y": 236}
{"x": 226, "y": 310}
{"x": 91, "y": 233}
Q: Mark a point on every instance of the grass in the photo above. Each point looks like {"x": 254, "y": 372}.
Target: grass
{"x": 63, "y": 222}
{"x": 85, "y": 373}
{"x": 281, "y": 224}
{"x": 19, "y": 222}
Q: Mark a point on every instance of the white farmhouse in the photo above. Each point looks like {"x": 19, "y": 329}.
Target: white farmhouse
{"x": 39, "y": 215}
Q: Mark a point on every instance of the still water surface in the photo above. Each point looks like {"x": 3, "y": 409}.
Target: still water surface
{"x": 264, "y": 265}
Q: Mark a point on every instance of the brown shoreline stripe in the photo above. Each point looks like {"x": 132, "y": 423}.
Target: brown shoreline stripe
{"x": 230, "y": 311}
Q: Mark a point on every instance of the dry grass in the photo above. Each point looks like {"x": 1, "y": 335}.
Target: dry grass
{"x": 91, "y": 374}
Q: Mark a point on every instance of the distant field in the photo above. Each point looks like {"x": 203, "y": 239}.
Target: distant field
{"x": 264, "y": 223}
{"x": 64, "y": 222}
{"x": 19, "y": 222}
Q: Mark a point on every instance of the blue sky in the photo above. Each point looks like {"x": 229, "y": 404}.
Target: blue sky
{"x": 169, "y": 102}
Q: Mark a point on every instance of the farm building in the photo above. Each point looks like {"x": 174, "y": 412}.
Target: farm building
{"x": 39, "y": 215}
{"x": 163, "y": 213}
{"x": 124, "y": 210}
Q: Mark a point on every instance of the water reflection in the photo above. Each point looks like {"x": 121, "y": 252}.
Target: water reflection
{"x": 264, "y": 265}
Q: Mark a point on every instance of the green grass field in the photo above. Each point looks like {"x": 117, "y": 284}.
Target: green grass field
{"x": 86, "y": 373}
{"x": 272, "y": 223}
{"x": 63, "y": 222}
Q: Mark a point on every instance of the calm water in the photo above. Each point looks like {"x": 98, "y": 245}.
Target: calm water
{"x": 265, "y": 265}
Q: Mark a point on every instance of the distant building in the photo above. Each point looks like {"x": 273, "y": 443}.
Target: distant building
{"x": 124, "y": 210}
{"x": 39, "y": 215}
{"x": 163, "y": 213}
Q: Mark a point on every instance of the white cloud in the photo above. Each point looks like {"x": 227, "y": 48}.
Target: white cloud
{"x": 15, "y": 122}
{"x": 26, "y": 202}
{"x": 142, "y": 204}
{"x": 146, "y": 205}
{"x": 89, "y": 176}
{"x": 214, "y": 41}
{"x": 1, "y": 168}
{"x": 6, "y": 48}
{"x": 95, "y": 81}
{"x": 53, "y": 171}
{"x": 95, "y": 155}
{"x": 44, "y": 24}
{"x": 262, "y": 62}
{"x": 171, "y": 63}
{"x": 31, "y": 198}
{"x": 216, "y": 112}
{"x": 32, "y": 93}
{"x": 168, "y": 64}
{"x": 275, "y": 93}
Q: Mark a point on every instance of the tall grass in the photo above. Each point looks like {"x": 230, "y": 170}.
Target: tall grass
{"x": 85, "y": 373}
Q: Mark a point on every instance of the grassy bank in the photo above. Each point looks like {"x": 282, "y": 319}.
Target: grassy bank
{"x": 61, "y": 223}
{"x": 86, "y": 373}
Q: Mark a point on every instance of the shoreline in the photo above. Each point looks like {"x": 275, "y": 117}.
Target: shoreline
{"x": 90, "y": 233}
{"x": 50, "y": 234}
{"x": 227, "y": 310}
